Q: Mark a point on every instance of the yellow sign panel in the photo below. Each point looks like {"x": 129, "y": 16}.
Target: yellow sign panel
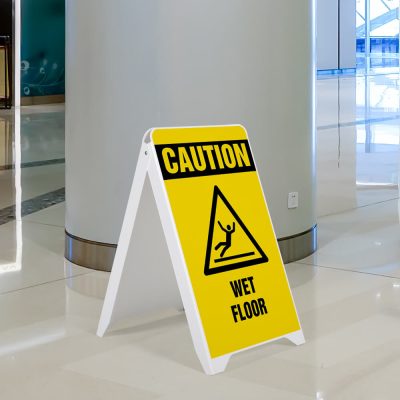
{"x": 226, "y": 235}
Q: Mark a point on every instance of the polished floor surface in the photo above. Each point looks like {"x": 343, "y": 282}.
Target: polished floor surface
{"x": 347, "y": 293}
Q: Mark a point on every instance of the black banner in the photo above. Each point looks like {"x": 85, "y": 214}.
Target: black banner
{"x": 189, "y": 160}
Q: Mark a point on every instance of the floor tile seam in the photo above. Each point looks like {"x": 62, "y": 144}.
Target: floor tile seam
{"x": 34, "y": 164}
{"x": 27, "y": 221}
{"x": 346, "y": 270}
{"x": 45, "y": 283}
{"x": 120, "y": 384}
{"x": 379, "y": 202}
{"x": 356, "y": 208}
{"x": 356, "y": 76}
{"x": 370, "y": 121}
{"x": 12, "y": 206}
{"x": 33, "y": 205}
{"x": 360, "y": 74}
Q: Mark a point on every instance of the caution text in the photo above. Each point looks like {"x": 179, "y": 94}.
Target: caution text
{"x": 188, "y": 160}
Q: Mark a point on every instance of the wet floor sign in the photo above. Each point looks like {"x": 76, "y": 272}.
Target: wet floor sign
{"x": 219, "y": 232}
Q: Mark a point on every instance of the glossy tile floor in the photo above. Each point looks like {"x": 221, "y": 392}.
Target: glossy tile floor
{"x": 348, "y": 293}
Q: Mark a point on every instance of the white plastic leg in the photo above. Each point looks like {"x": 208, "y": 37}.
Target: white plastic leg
{"x": 296, "y": 337}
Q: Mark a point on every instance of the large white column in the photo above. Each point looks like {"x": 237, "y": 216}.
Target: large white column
{"x": 135, "y": 64}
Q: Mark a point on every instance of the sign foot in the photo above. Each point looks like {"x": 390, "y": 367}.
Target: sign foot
{"x": 217, "y": 365}
{"x": 296, "y": 338}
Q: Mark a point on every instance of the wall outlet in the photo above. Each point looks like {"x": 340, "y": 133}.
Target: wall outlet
{"x": 293, "y": 200}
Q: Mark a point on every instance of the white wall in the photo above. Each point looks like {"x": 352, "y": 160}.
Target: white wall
{"x": 336, "y": 146}
{"x": 336, "y": 40}
{"x": 347, "y": 34}
{"x": 327, "y": 34}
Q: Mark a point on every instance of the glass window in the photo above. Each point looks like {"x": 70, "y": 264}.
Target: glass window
{"x": 378, "y": 26}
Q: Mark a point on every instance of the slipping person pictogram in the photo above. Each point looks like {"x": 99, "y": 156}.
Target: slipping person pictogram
{"x": 229, "y": 231}
{"x": 244, "y": 250}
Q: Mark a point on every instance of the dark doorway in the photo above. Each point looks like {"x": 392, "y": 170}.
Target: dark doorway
{"x": 5, "y": 17}
{"x": 6, "y": 28}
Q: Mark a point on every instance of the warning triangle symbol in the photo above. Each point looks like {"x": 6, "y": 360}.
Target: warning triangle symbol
{"x": 230, "y": 244}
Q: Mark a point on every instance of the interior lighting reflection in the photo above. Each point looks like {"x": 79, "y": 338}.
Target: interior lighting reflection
{"x": 375, "y": 184}
{"x": 11, "y": 347}
{"x": 17, "y": 265}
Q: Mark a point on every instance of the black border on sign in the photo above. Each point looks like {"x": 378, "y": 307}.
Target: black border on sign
{"x": 210, "y": 271}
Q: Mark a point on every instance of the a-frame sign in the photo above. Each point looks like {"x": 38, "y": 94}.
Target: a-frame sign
{"x": 224, "y": 252}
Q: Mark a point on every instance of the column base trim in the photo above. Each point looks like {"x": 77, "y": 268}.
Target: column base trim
{"x": 89, "y": 254}
{"x": 296, "y": 247}
{"x": 100, "y": 256}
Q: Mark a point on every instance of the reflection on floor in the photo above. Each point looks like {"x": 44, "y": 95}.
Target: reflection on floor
{"x": 357, "y": 142}
{"x": 348, "y": 293}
